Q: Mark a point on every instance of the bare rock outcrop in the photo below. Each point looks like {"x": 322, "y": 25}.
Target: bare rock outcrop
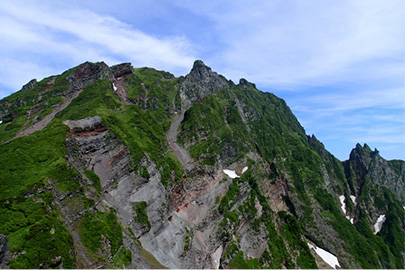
{"x": 200, "y": 83}
{"x": 4, "y": 252}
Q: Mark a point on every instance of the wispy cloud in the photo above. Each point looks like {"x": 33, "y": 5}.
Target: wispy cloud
{"x": 283, "y": 43}
{"x": 71, "y": 36}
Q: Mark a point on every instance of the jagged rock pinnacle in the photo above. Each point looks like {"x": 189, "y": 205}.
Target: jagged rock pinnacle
{"x": 200, "y": 82}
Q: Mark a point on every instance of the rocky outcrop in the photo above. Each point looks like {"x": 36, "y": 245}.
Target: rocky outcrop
{"x": 87, "y": 73}
{"x": 29, "y": 85}
{"x": 122, "y": 70}
{"x": 4, "y": 252}
{"x": 365, "y": 163}
{"x": 199, "y": 83}
{"x": 86, "y": 124}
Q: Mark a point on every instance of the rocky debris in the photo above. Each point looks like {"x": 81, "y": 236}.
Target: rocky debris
{"x": 171, "y": 137}
{"x": 5, "y": 256}
{"x": 252, "y": 243}
{"x": 29, "y": 85}
{"x": 200, "y": 83}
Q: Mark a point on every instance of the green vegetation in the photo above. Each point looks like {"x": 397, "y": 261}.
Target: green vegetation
{"x": 230, "y": 198}
{"x": 94, "y": 225}
{"x": 29, "y": 160}
{"x": 239, "y": 262}
{"x": 171, "y": 169}
{"x": 188, "y": 237}
{"x": 93, "y": 177}
{"x": 46, "y": 243}
{"x": 392, "y": 229}
{"x": 215, "y": 128}
{"x": 121, "y": 259}
{"x": 144, "y": 172}
{"x": 291, "y": 231}
{"x": 367, "y": 248}
{"x": 141, "y": 215}
{"x": 39, "y": 236}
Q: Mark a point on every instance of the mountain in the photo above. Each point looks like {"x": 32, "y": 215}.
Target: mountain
{"x": 112, "y": 167}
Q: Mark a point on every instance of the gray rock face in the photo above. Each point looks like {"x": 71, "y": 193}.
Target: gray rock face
{"x": 85, "y": 124}
{"x": 4, "y": 252}
{"x": 365, "y": 163}
{"x": 87, "y": 73}
{"x": 200, "y": 82}
{"x": 122, "y": 70}
{"x": 29, "y": 85}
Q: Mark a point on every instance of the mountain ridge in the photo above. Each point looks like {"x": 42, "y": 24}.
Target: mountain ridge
{"x": 135, "y": 167}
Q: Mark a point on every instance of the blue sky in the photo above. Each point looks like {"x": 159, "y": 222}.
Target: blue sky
{"x": 340, "y": 65}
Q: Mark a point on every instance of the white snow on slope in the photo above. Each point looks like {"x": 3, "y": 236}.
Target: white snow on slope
{"x": 379, "y": 223}
{"x": 342, "y": 202}
{"x": 245, "y": 169}
{"x": 1, "y": 122}
{"x": 343, "y": 206}
{"x": 328, "y": 257}
{"x": 353, "y": 199}
{"x": 114, "y": 87}
{"x": 232, "y": 174}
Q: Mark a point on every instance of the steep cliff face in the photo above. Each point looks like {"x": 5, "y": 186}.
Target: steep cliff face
{"x": 118, "y": 166}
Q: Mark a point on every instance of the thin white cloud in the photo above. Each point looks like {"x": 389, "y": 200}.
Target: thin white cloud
{"x": 307, "y": 42}
{"x": 72, "y": 36}
{"x": 346, "y": 100}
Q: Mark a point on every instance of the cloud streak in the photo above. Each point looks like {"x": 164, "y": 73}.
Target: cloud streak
{"x": 281, "y": 43}
{"x": 71, "y": 36}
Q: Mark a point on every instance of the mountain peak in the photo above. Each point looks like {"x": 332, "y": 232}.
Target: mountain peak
{"x": 200, "y": 82}
{"x": 198, "y": 63}
{"x": 200, "y": 71}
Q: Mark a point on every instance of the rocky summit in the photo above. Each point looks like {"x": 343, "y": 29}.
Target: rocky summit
{"x": 123, "y": 167}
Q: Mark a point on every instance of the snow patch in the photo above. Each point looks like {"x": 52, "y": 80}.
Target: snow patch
{"x": 353, "y": 199}
{"x": 245, "y": 169}
{"x": 379, "y": 223}
{"x": 328, "y": 257}
{"x": 343, "y": 206}
{"x": 1, "y": 122}
{"x": 114, "y": 87}
{"x": 342, "y": 202}
{"x": 230, "y": 173}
